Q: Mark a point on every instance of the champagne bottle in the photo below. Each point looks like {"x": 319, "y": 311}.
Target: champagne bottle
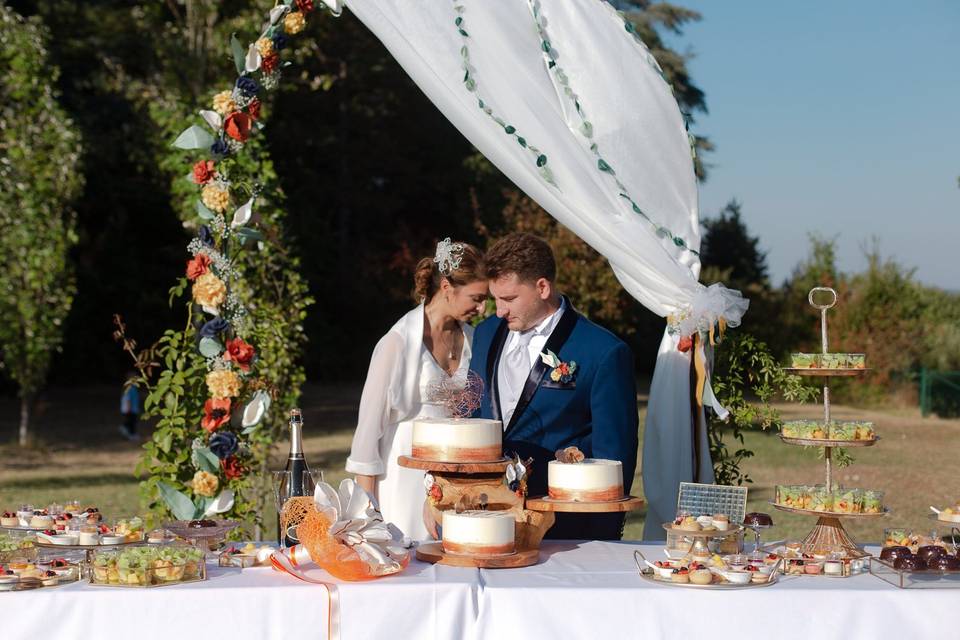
{"x": 298, "y": 481}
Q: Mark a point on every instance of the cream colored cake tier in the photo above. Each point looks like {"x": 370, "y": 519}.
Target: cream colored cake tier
{"x": 457, "y": 439}
{"x": 478, "y": 533}
{"x": 593, "y": 480}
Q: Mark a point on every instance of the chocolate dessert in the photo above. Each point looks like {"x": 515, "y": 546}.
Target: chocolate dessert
{"x": 201, "y": 524}
{"x": 929, "y": 553}
{"x": 892, "y": 554}
{"x": 755, "y": 519}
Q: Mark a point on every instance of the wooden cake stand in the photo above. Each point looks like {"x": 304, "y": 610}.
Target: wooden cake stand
{"x": 468, "y": 481}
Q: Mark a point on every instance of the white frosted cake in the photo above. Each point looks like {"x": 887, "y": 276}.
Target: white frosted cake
{"x": 478, "y": 533}
{"x": 591, "y": 480}
{"x": 457, "y": 439}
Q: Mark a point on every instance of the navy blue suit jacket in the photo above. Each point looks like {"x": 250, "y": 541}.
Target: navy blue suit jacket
{"x": 596, "y": 411}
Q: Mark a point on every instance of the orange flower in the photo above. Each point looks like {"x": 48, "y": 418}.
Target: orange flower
{"x": 232, "y": 468}
{"x": 237, "y": 126}
{"x": 685, "y": 344}
{"x": 216, "y": 413}
{"x": 198, "y": 266}
{"x": 240, "y": 352}
{"x": 203, "y": 171}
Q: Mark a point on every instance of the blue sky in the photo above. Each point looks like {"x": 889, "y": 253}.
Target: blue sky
{"x": 835, "y": 117}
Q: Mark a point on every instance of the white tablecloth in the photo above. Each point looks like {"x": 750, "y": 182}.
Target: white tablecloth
{"x": 579, "y": 590}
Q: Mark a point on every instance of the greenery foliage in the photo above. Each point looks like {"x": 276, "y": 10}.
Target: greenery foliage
{"x": 40, "y": 176}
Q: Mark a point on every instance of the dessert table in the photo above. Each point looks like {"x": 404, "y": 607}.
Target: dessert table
{"x": 579, "y": 590}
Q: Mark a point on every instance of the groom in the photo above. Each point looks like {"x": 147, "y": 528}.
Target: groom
{"x": 594, "y": 408}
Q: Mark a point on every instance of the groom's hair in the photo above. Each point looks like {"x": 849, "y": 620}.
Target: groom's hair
{"x": 528, "y": 256}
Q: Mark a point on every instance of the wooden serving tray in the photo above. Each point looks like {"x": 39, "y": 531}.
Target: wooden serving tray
{"x": 433, "y": 553}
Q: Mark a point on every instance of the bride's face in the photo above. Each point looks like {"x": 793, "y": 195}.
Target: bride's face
{"x": 468, "y": 301}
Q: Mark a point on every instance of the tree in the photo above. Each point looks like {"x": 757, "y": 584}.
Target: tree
{"x": 727, "y": 246}
{"x": 39, "y": 178}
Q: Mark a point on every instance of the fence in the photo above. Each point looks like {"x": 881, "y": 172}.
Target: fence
{"x": 940, "y": 393}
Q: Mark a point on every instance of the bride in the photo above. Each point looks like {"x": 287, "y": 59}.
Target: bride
{"x": 428, "y": 344}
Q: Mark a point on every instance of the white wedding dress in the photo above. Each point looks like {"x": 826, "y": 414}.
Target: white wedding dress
{"x": 396, "y": 392}
{"x": 401, "y": 490}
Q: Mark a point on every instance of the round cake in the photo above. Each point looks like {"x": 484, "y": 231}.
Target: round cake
{"x": 457, "y": 439}
{"x": 478, "y": 533}
{"x": 592, "y": 480}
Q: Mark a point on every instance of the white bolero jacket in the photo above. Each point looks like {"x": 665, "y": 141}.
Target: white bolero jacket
{"x": 391, "y": 393}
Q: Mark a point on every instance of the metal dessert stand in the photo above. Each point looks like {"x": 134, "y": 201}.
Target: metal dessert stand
{"x": 829, "y": 530}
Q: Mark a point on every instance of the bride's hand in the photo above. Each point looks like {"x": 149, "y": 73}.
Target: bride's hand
{"x": 429, "y": 522}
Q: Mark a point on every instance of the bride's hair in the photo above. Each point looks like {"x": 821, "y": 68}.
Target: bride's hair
{"x": 427, "y": 276}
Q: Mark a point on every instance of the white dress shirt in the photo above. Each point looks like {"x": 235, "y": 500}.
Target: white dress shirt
{"x": 510, "y": 393}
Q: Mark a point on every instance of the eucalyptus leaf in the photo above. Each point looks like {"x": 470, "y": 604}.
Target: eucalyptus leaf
{"x": 180, "y": 505}
{"x": 203, "y": 212}
{"x": 193, "y": 137}
{"x": 202, "y": 507}
{"x": 239, "y": 55}
{"x": 205, "y": 460}
{"x": 210, "y": 347}
{"x": 246, "y": 233}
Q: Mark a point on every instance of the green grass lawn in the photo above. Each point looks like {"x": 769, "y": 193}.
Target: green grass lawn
{"x": 81, "y": 456}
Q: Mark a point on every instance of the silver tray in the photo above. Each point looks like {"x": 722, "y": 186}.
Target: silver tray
{"x": 648, "y": 575}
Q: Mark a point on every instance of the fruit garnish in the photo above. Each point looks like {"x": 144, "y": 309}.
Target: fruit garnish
{"x": 49, "y": 532}
{"x": 772, "y": 556}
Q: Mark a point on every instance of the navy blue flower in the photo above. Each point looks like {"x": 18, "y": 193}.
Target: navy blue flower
{"x": 248, "y": 86}
{"x": 220, "y": 148}
{"x": 223, "y": 444}
{"x": 279, "y": 41}
{"x": 206, "y": 236}
{"x": 214, "y": 327}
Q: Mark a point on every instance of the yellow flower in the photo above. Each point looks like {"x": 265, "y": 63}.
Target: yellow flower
{"x": 294, "y": 23}
{"x": 223, "y": 103}
{"x": 555, "y": 375}
{"x": 223, "y": 384}
{"x": 209, "y": 290}
{"x": 205, "y": 484}
{"x": 265, "y": 46}
{"x": 215, "y": 198}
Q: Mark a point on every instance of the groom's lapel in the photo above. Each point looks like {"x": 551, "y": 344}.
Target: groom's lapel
{"x": 556, "y": 340}
{"x": 493, "y": 361}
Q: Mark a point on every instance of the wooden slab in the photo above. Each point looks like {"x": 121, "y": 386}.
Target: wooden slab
{"x": 494, "y": 466}
{"x": 629, "y": 503}
{"x": 432, "y": 552}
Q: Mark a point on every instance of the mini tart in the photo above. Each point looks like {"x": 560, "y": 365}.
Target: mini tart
{"x": 701, "y": 576}
{"x": 680, "y": 575}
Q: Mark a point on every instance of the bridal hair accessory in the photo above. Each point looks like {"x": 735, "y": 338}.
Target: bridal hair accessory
{"x": 448, "y": 256}
{"x": 460, "y": 394}
{"x": 342, "y": 532}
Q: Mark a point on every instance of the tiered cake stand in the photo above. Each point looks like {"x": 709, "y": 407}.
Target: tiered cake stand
{"x": 534, "y": 516}
{"x": 829, "y": 531}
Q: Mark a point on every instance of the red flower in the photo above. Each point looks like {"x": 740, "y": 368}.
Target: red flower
{"x": 240, "y": 352}
{"x": 216, "y": 413}
{"x": 232, "y": 468}
{"x": 198, "y": 266}
{"x": 253, "y": 109}
{"x": 237, "y": 126}
{"x": 270, "y": 63}
{"x": 686, "y": 343}
{"x": 203, "y": 171}
{"x": 305, "y": 6}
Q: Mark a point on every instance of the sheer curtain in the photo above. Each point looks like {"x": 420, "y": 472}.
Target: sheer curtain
{"x": 564, "y": 99}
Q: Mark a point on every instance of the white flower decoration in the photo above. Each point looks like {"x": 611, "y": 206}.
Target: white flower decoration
{"x": 358, "y": 524}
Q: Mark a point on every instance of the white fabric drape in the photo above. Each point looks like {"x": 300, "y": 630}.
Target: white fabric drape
{"x": 549, "y": 72}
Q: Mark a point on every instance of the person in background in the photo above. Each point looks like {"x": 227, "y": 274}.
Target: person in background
{"x": 130, "y": 408}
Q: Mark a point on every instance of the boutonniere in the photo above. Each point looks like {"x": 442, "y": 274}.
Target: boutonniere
{"x": 562, "y": 372}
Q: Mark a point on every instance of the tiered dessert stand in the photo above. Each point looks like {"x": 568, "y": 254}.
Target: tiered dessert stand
{"x": 829, "y": 531}
{"x": 482, "y": 482}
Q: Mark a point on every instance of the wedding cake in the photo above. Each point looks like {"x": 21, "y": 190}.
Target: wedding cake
{"x": 478, "y": 533}
{"x": 457, "y": 439}
{"x": 586, "y": 480}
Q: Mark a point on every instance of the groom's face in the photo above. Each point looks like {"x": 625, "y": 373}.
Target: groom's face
{"x": 521, "y": 303}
